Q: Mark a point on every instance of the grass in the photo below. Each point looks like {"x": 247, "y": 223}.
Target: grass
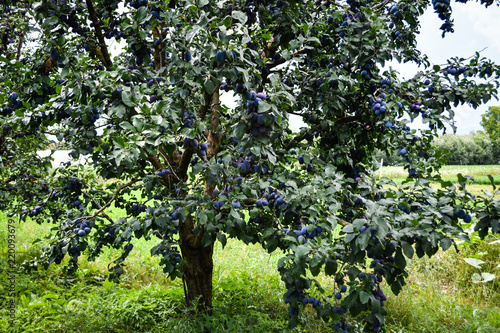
{"x": 248, "y": 292}
{"x": 449, "y": 172}
{"x": 440, "y": 295}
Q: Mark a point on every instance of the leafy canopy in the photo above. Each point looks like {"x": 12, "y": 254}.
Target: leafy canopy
{"x": 181, "y": 167}
{"x": 490, "y": 120}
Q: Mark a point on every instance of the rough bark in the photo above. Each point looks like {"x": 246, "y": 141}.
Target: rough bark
{"x": 198, "y": 270}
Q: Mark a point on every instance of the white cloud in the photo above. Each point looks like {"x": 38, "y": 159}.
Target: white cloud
{"x": 484, "y": 22}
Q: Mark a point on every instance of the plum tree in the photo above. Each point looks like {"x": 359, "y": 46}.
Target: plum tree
{"x": 187, "y": 170}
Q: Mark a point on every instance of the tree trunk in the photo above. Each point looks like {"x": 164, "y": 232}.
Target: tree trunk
{"x": 198, "y": 270}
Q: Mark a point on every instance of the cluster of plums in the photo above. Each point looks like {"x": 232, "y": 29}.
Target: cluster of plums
{"x": 141, "y": 52}
{"x": 82, "y": 228}
{"x": 455, "y": 71}
{"x": 443, "y": 9}
{"x": 461, "y": 214}
{"x": 378, "y": 105}
{"x": 15, "y": 103}
{"x": 138, "y": 4}
{"x": 138, "y": 208}
{"x": 303, "y": 234}
{"x": 257, "y": 122}
{"x": 223, "y": 56}
{"x": 60, "y": 254}
{"x": 302, "y": 298}
{"x": 249, "y": 165}
{"x": 36, "y": 211}
{"x": 163, "y": 172}
{"x": 251, "y": 12}
{"x": 172, "y": 253}
{"x": 74, "y": 186}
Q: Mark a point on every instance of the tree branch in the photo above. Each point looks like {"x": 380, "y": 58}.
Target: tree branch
{"x": 380, "y": 5}
{"x": 114, "y": 196}
{"x": 97, "y": 28}
{"x": 97, "y": 204}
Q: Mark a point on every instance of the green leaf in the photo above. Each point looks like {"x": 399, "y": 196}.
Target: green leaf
{"x": 240, "y": 16}
{"x": 127, "y": 98}
{"x": 142, "y": 14}
{"x": 305, "y": 28}
{"x": 126, "y": 125}
{"x": 407, "y": 249}
{"x": 399, "y": 259}
{"x": 196, "y": 169}
{"x": 364, "y": 297}
{"x": 192, "y": 33}
{"x": 264, "y": 106}
{"x": 107, "y": 284}
{"x": 474, "y": 262}
{"x": 301, "y": 251}
{"x": 445, "y": 243}
{"x": 396, "y": 287}
{"x": 315, "y": 265}
{"x": 138, "y": 123}
{"x": 330, "y": 266}
{"x": 362, "y": 240}
{"x": 492, "y": 181}
{"x": 222, "y": 239}
{"x": 240, "y": 130}
{"x": 64, "y": 72}
{"x": 206, "y": 239}
{"x": 209, "y": 86}
{"x": 483, "y": 277}
{"x": 348, "y": 228}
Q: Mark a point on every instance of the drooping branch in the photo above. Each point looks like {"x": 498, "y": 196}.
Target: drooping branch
{"x": 98, "y": 32}
{"x": 174, "y": 157}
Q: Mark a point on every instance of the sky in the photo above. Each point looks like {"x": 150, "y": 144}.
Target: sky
{"x": 476, "y": 28}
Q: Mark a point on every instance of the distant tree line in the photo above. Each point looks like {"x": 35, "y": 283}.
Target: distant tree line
{"x": 476, "y": 148}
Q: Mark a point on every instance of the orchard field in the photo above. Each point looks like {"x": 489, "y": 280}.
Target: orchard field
{"x": 440, "y": 295}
